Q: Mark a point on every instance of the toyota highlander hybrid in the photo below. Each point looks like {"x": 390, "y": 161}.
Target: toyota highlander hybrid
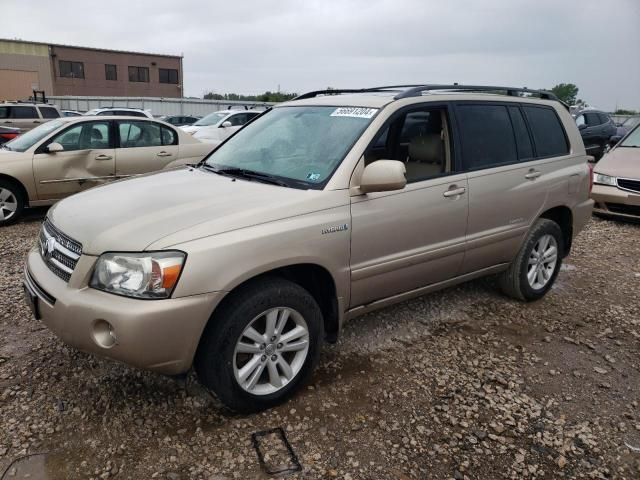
{"x": 323, "y": 208}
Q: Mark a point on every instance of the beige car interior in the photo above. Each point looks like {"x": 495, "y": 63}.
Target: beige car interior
{"x": 420, "y": 139}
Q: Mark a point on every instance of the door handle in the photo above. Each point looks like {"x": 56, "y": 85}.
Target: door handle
{"x": 36, "y": 121}
{"x": 103, "y": 157}
{"x": 164, "y": 154}
{"x": 454, "y": 192}
{"x": 533, "y": 174}
{"x": 8, "y": 121}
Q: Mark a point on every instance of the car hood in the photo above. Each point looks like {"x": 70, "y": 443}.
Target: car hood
{"x": 190, "y": 129}
{"x": 168, "y": 208}
{"x": 620, "y": 162}
{"x": 8, "y": 155}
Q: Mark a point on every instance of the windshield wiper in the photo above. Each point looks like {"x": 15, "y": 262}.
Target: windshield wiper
{"x": 250, "y": 174}
{"x": 247, "y": 174}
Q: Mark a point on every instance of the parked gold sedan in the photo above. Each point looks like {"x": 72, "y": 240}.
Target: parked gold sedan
{"x": 616, "y": 180}
{"x": 68, "y": 155}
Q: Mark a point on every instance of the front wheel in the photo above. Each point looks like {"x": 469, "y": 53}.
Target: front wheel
{"x": 11, "y": 203}
{"x": 532, "y": 273}
{"x": 261, "y": 345}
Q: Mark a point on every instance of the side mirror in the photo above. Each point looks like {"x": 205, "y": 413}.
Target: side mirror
{"x": 582, "y": 127}
{"x": 615, "y": 139}
{"x": 383, "y": 176}
{"x": 55, "y": 147}
{"x": 226, "y": 124}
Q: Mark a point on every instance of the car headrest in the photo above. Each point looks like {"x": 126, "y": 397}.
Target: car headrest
{"x": 426, "y": 149}
{"x": 96, "y": 134}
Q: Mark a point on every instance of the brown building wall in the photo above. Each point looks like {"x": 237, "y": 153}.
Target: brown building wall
{"x": 95, "y": 83}
{"x": 22, "y": 67}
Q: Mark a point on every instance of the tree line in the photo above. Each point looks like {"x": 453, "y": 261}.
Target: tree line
{"x": 267, "y": 96}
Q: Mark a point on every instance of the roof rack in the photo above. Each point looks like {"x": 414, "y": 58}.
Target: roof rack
{"x": 406, "y": 91}
{"x": 418, "y": 90}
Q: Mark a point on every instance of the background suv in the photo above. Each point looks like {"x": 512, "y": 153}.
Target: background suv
{"x": 321, "y": 209}
{"x": 596, "y": 129}
{"x": 26, "y": 116}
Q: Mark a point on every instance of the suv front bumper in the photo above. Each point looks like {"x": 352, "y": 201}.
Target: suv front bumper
{"x": 158, "y": 335}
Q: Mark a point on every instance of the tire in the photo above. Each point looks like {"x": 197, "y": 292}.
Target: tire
{"x": 220, "y": 367}
{"x": 515, "y": 282}
{"x": 11, "y": 202}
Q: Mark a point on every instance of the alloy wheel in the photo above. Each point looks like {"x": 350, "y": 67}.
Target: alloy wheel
{"x": 542, "y": 262}
{"x": 8, "y": 204}
{"x": 271, "y": 351}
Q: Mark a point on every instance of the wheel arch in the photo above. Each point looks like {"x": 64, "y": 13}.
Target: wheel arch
{"x": 563, "y": 216}
{"x": 314, "y": 278}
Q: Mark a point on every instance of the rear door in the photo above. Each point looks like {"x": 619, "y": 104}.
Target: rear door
{"x": 88, "y": 159}
{"x": 24, "y": 117}
{"x": 144, "y": 146}
{"x": 509, "y": 175}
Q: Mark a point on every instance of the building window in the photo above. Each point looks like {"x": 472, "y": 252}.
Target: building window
{"x": 71, "y": 69}
{"x": 168, "y": 75}
{"x": 111, "y": 72}
{"x": 139, "y": 74}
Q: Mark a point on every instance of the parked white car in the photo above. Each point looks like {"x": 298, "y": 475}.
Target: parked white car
{"x": 217, "y": 126}
{"x": 122, "y": 111}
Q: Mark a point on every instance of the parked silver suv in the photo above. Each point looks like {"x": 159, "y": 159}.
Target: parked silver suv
{"x": 26, "y": 115}
{"x": 321, "y": 209}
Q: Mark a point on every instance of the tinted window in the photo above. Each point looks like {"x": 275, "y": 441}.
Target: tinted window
{"x": 547, "y": 131}
{"x": 4, "y": 112}
{"x": 604, "y": 118}
{"x": 111, "y": 72}
{"x": 24, "y": 112}
{"x": 169, "y": 137}
{"x": 592, "y": 119}
{"x": 49, "y": 112}
{"x": 523, "y": 142}
{"x": 71, "y": 69}
{"x": 237, "y": 120}
{"x": 168, "y": 75}
{"x": 487, "y": 136}
{"x": 139, "y": 134}
{"x": 84, "y": 136}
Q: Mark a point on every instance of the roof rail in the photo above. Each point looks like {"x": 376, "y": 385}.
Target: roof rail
{"x": 417, "y": 90}
{"x": 406, "y": 91}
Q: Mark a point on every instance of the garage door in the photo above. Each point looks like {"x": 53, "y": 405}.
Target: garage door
{"x": 17, "y": 84}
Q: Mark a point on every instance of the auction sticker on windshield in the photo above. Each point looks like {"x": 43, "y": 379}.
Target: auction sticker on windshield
{"x": 357, "y": 112}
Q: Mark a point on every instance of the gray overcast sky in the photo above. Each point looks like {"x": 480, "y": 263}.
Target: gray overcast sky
{"x": 249, "y": 46}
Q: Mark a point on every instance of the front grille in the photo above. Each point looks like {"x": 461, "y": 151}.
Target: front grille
{"x": 629, "y": 184}
{"x": 624, "y": 209}
{"x": 60, "y": 252}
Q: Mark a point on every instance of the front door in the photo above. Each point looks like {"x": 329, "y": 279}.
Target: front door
{"x": 88, "y": 159}
{"x": 144, "y": 146}
{"x": 406, "y": 239}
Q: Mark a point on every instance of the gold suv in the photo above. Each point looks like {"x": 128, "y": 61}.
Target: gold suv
{"x": 323, "y": 208}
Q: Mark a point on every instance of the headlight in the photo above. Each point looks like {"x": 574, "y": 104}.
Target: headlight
{"x": 601, "y": 179}
{"x": 151, "y": 275}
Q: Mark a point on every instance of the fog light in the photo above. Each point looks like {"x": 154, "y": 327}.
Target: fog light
{"x": 103, "y": 334}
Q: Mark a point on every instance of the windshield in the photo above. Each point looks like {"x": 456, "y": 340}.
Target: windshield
{"x": 303, "y": 144}
{"x": 211, "y": 119}
{"x": 27, "y": 140}
{"x": 631, "y": 122}
{"x": 633, "y": 139}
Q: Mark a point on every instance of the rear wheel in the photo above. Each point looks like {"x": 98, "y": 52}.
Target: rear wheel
{"x": 261, "y": 346}
{"x": 535, "y": 268}
{"x": 11, "y": 202}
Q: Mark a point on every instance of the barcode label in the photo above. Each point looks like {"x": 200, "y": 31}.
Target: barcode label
{"x": 357, "y": 112}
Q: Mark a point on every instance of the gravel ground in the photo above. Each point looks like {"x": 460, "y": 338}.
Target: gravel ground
{"x": 462, "y": 384}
